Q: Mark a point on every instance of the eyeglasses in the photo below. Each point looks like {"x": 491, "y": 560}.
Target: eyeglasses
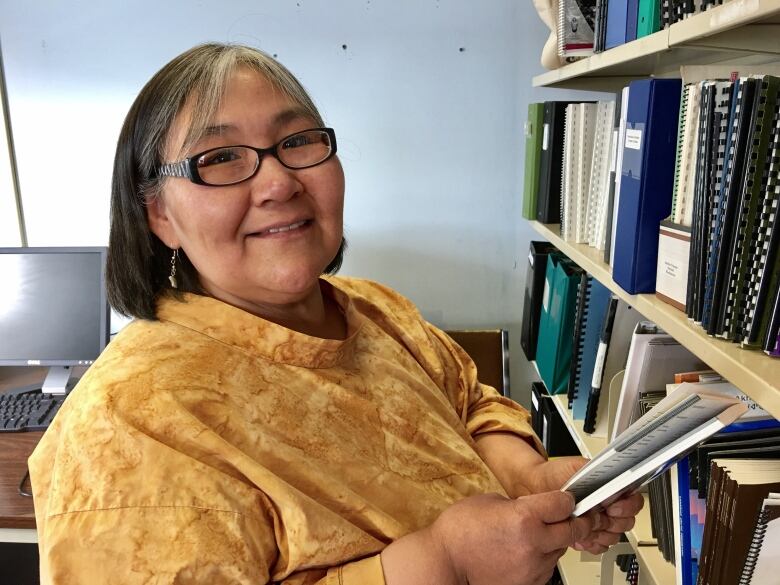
{"x": 228, "y": 165}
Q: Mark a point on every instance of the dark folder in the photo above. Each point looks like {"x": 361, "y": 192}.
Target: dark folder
{"x": 534, "y": 288}
{"x": 647, "y": 180}
{"x": 548, "y": 199}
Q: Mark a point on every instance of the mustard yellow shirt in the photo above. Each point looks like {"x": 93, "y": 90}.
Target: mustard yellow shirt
{"x": 213, "y": 447}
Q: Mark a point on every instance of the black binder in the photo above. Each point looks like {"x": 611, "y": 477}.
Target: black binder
{"x": 534, "y": 289}
{"x": 548, "y": 199}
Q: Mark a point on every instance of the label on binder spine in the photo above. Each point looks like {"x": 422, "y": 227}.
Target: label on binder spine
{"x": 598, "y": 370}
{"x": 633, "y": 138}
{"x": 546, "y": 137}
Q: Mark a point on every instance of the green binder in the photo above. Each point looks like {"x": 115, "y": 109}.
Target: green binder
{"x": 649, "y": 18}
{"x": 533, "y": 150}
{"x": 556, "y": 323}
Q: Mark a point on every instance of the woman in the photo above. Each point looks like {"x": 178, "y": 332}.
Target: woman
{"x": 261, "y": 423}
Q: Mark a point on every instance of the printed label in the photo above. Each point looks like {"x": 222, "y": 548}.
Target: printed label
{"x": 535, "y": 401}
{"x": 531, "y": 259}
{"x": 546, "y": 296}
{"x": 598, "y": 370}
{"x": 545, "y": 136}
{"x": 633, "y": 138}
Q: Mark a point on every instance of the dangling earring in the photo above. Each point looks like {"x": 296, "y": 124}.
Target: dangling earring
{"x": 172, "y": 276}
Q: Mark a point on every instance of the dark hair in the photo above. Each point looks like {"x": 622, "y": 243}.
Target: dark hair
{"x": 138, "y": 262}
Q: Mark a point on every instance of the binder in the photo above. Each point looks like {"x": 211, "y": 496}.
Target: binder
{"x": 554, "y": 346}
{"x": 601, "y": 174}
{"x": 533, "y": 150}
{"x": 597, "y": 301}
{"x": 579, "y": 134}
{"x": 552, "y": 431}
{"x": 723, "y": 120}
{"x": 534, "y": 288}
{"x": 580, "y": 318}
{"x": 646, "y": 181}
{"x": 614, "y": 176}
{"x": 745, "y": 239}
{"x": 621, "y": 22}
{"x": 758, "y": 281}
{"x": 720, "y": 262}
{"x": 699, "y": 231}
{"x": 649, "y": 18}
{"x": 611, "y": 359}
{"x": 548, "y": 200}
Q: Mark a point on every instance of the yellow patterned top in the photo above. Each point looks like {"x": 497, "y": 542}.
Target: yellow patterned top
{"x": 213, "y": 446}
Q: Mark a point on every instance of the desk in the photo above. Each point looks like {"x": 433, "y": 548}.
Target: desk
{"x": 17, "y": 515}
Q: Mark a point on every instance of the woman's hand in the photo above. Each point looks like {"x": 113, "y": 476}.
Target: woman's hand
{"x": 609, "y": 524}
{"x": 489, "y": 540}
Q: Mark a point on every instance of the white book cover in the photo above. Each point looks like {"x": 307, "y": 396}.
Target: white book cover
{"x": 673, "y": 427}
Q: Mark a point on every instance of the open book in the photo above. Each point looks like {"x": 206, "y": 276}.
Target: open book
{"x": 678, "y": 423}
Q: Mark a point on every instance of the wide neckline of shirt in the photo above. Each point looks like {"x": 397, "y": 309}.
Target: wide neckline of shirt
{"x": 243, "y": 330}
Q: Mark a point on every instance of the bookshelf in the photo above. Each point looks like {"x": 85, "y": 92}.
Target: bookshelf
{"x": 737, "y": 32}
{"x": 756, "y": 374}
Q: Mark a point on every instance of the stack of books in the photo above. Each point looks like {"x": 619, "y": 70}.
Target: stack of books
{"x": 726, "y": 192}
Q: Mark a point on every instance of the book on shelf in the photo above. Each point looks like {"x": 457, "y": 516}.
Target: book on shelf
{"x": 764, "y": 550}
{"x": 591, "y": 311}
{"x": 548, "y": 199}
{"x": 576, "y": 23}
{"x": 548, "y": 424}
{"x": 614, "y": 344}
{"x": 533, "y": 150}
{"x": 621, "y": 22}
{"x": 653, "y": 359}
{"x": 532, "y": 301}
{"x": 678, "y": 423}
{"x": 556, "y": 322}
{"x": 648, "y": 18}
{"x": 737, "y": 490}
{"x": 674, "y": 251}
{"x": 647, "y": 178}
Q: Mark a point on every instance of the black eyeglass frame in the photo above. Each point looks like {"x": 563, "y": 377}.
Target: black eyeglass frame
{"x": 188, "y": 168}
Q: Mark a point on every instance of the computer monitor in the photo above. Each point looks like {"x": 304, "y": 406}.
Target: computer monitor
{"x": 53, "y": 310}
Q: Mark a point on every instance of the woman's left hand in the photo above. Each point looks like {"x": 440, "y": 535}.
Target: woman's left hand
{"x": 608, "y": 524}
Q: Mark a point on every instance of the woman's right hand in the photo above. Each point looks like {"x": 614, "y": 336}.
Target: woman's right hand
{"x": 489, "y": 540}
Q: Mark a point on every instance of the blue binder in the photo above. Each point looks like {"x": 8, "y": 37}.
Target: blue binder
{"x": 647, "y": 180}
{"x": 598, "y": 301}
{"x": 621, "y": 22}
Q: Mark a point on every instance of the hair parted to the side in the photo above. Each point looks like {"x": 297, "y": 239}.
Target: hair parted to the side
{"x": 138, "y": 263}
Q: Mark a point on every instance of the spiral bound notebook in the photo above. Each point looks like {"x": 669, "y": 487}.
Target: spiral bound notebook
{"x": 746, "y": 237}
{"x": 580, "y": 319}
{"x": 764, "y": 553}
{"x": 763, "y": 271}
{"x": 576, "y": 23}
{"x": 600, "y": 173}
{"x": 719, "y": 149}
{"x": 594, "y": 310}
{"x": 733, "y": 176}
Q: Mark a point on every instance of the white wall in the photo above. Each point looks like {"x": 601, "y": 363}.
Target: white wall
{"x": 428, "y": 99}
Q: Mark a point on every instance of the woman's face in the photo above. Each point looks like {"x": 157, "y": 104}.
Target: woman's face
{"x": 225, "y": 231}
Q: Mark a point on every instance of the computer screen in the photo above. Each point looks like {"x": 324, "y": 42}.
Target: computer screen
{"x": 53, "y": 307}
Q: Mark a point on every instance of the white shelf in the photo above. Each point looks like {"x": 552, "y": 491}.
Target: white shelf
{"x": 753, "y": 372}
{"x": 737, "y": 32}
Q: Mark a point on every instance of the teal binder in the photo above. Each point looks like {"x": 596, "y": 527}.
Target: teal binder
{"x": 649, "y": 18}
{"x": 534, "y": 128}
{"x": 556, "y": 324}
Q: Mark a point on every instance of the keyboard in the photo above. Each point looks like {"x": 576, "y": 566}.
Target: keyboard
{"x": 28, "y": 411}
